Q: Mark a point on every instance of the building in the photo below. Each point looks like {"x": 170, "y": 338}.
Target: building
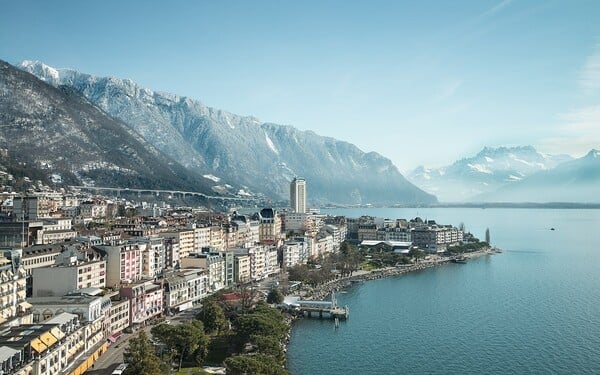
{"x": 14, "y": 309}
{"x": 123, "y": 263}
{"x": 213, "y": 262}
{"x": 298, "y": 195}
{"x": 88, "y": 308}
{"x": 241, "y": 266}
{"x": 185, "y": 238}
{"x": 294, "y": 253}
{"x": 118, "y": 316}
{"x": 60, "y": 344}
{"x": 184, "y": 288}
{"x": 146, "y": 301}
{"x": 269, "y": 226}
{"x": 72, "y": 271}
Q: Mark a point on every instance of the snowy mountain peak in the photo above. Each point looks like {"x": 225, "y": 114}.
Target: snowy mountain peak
{"x": 488, "y": 170}
{"x": 593, "y": 154}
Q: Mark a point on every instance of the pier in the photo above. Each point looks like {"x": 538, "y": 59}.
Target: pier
{"x": 323, "y": 309}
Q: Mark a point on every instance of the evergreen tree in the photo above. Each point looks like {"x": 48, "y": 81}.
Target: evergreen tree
{"x": 274, "y": 296}
{"x": 140, "y": 357}
{"x": 212, "y": 316}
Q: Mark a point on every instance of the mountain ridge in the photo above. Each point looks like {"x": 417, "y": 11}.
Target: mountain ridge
{"x": 490, "y": 169}
{"x": 242, "y": 148}
{"x": 58, "y": 131}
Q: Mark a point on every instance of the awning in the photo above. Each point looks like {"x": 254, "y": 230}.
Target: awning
{"x": 48, "y": 339}
{"x": 112, "y": 339}
{"x": 57, "y": 333}
{"x": 38, "y": 345}
{"x": 25, "y": 305}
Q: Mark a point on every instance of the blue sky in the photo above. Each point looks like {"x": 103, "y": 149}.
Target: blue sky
{"x": 421, "y": 82}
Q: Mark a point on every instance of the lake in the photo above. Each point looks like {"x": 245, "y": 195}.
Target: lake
{"x": 533, "y": 309}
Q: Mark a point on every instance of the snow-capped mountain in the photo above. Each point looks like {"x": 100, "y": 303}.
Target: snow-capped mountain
{"x": 573, "y": 181}
{"x": 261, "y": 157}
{"x": 57, "y": 134}
{"x": 487, "y": 171}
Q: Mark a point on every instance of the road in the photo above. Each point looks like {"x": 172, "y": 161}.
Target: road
{"x": 114, "y": 355}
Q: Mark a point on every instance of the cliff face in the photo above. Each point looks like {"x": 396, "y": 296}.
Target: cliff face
{"x": 259, "y": 157}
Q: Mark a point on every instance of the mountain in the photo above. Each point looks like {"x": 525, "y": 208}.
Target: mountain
{"x": 574, "y": 181}
{"x": 262, "y": 157}
{"x": 489, "y": 170}
{"x": 55, "y": 133}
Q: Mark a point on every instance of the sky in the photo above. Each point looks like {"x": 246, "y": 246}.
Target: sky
{"x": 420, "y": 82}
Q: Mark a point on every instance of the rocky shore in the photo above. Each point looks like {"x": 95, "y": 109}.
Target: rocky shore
{"x": 324, "y": 290}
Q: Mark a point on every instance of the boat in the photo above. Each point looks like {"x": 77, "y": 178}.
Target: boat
{"x": 552, "y": 228}
{"x": 459, "y": 259}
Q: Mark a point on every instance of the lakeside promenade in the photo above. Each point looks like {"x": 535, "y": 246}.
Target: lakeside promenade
{"x": 322, "y": 291}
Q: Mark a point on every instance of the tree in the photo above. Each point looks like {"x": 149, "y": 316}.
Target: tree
{"x": 183, "y": 340}
{"x": 213, "y": 316}
{"x": 487, "y": 235}
{"x": 254, "y": 364}
{"x": 140, "y": 357}
{"x": 275, "y": 296}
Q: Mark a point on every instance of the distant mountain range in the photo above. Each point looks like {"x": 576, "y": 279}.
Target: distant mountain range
{"x": 241, "y": 153}
{"x": 515, "y": 174}
{"x": 491, "y": 169}
{"x": 56, "y": 134}
{"x": 573, "y": 181}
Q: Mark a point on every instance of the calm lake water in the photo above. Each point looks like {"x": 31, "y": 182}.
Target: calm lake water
{"x": 534, "y": 309}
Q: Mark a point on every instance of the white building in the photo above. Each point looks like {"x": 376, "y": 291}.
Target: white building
{"x": 298, "y": 195}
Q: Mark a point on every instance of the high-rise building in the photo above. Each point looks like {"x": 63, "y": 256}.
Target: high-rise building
{"x": 298, "y": 195}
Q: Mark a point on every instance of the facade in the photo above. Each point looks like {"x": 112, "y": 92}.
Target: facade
{"x": 72, "y": 270}
{"x": 214, "y": 263}
{"x": 269, "y": 226}
{"x": 14, "y": 309}
{"x": 294, "y": 253}
{"x": 53, "y": 231}
{"x": 185, "y": 238}
{"x": 183, "y": 289}
{"x": 298, "y": 195}
{"x": 146, "y": 301}
{"x": 51, "y": 348}
{"x": 124, "y": 263}
{"x": 434, "y": 238}
{"x": 118, "y": 316}
{"x": 242, "y": 267}
{"x": 87, "y": 308}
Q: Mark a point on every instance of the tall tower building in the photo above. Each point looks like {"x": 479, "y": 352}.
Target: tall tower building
{"x": 298, "y": 195}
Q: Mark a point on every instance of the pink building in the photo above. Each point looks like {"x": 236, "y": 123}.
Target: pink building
{"x": 123, "y": 263}
{"x": 146, "y": 301}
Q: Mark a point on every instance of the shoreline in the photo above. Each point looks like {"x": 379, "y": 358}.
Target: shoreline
{"x": 321, "y": 291}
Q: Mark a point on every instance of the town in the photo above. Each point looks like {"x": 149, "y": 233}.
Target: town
{"x": 80, "y": 270}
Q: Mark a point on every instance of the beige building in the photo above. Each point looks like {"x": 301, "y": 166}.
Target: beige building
{"x": 52, "y": 347}
{"x": 14, "y": 309}
{"x": 72, "y": 271}
{"x": 119, "y": 316}
{"x": 185, "y": 239}
{"x": 269, "y": 226}
{"x": 214, "y": 263}
{"x": 242, "y": 267}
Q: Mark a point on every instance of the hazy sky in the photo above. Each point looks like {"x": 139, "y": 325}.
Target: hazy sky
{"x": 421, "y": 82}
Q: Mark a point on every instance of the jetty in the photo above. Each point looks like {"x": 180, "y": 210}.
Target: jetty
{"x": 322, "y": 309}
